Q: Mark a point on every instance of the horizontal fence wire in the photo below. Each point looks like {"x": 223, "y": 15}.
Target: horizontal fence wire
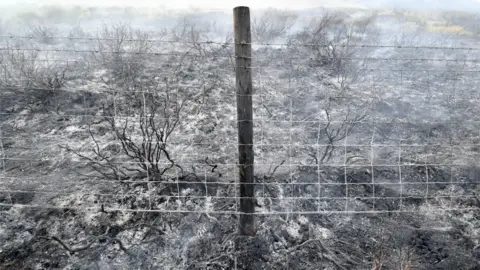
{"x": 188, "y": 54}
{"x": 232, "y": 143}
{"x": 326, "y": 165}
{"x": 203, "y": 42}
{"x": 259, "y": 183}
{"x": 293, "y": 44}
{"x": 339, "y": 119}
{"x": 291, "y": 199}
{"x": 324, "y": 212}
{"x": 264, "y": 59}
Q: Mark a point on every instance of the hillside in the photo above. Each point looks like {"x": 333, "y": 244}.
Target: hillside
{"x": 118, "y": 141}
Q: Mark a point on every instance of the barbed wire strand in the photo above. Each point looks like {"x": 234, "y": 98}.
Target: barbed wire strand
{"x": 292, "y": 44}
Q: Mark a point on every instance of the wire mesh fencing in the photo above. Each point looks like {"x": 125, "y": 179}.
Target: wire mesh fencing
{"x": 155, "y": 131}
{"x": 392, "y": 130}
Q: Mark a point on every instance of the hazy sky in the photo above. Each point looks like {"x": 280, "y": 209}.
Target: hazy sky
{"x": 288, "y": 4}
{"x": 186, "y": 4}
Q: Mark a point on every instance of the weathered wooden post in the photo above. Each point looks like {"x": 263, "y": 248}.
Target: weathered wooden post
{"x": 243, "y": 53}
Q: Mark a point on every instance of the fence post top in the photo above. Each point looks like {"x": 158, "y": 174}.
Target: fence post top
{"x": 241, "y": 8}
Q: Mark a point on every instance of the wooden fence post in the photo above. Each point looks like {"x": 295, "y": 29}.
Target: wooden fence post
{"x": 243, "y": 53}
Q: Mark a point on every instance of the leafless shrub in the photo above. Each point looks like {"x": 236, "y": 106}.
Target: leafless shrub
{"x": 317, "y": 32}
{"x": 191, "y": 35}
{"x": 272, "y": 24}
{"x": 195, "y": 37}
{"x": 144, "y": 140}
{"x": 78, "y": 31}
{"x": 187, "y": 31}
{"x": 334, "y": 132}
{"x": 116, "y": 38}
{"x": 22, "y": 67}
{"x": 335, "y": 41}
{"x": 19, "y": 67}
{"x": 157, "y": 105}
{"x": 52, "y": 76}
{"x": 123, "y": 50}
{"x": 345, "y": 55}
{"x": 43, "y": 33}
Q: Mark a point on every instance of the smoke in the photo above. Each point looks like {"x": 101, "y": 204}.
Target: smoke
{"x": 424, "y": 5}
{"x": 215, "y": 5}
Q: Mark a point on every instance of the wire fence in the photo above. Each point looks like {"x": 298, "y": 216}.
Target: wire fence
{"x": 124, "y": 150}
{"x": 390, "y": 135}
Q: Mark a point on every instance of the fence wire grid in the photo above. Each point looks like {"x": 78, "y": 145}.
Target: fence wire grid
{"x": 362, "y": 135}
